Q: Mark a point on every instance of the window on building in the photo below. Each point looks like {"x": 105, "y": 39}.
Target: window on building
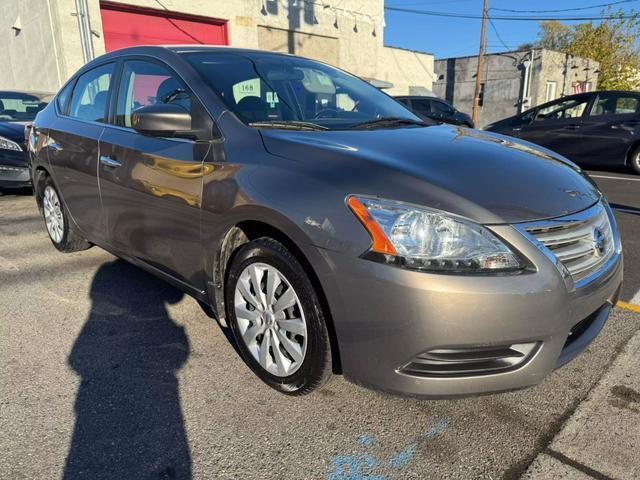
{"x": 550, "y": 92}
{"x": 481, "y": 96}
{"x": 146, "y": 83}
{"x": 90, "y": 95}
{"x": 611, "y": 104}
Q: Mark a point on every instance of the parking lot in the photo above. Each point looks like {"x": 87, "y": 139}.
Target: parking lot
{"x": 108, "y": 372}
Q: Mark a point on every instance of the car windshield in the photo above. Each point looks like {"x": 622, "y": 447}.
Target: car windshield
{"x": 278, "y": 91}
{"x": 21, "y": 107}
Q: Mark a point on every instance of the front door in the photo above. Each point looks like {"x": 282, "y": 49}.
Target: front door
{"x": 73, "y": 148}
{"x": 557, "y": 126}
{"x": 151, "y": 187}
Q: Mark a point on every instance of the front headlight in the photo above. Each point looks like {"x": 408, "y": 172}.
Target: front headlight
{"x": 425, "y": 239}
{"x": 6, "y": 144}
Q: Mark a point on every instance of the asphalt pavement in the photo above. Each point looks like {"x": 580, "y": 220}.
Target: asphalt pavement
{"x": 108, "y": 373}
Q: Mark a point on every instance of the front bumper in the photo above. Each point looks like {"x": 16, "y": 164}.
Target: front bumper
{"x": 14, "y": 172}
{"x": 385, "y": 317}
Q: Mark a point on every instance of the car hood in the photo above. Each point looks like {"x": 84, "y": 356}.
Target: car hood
{"x": 12, "y": 130}
{"x": 484, "y": 176}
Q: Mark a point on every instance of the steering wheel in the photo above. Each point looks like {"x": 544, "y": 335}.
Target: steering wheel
{"x": 324, "y": 111}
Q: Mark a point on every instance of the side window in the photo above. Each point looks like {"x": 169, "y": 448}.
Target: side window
{"x": 90, "y": 95}
{"x": 404, "y": 101}
{"x": 441, "y": 107}
{"x": 62, "y": 99}
{"x": 614, "y": 105}
{"x": 421, "y": 106}
{"x": 146, "y": 83}
{"x": 564, "y": 109}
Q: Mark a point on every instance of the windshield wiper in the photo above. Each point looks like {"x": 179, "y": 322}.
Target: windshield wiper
{"x": 288, "y": 124}
{"x": 389, "y": 122}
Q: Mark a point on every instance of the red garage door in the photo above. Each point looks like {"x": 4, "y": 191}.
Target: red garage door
{"x": 125, "y": 25}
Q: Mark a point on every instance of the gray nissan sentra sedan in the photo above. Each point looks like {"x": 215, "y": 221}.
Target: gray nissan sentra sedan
{"x": 327, "y": 226}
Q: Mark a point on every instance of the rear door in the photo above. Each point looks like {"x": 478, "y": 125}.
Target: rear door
{"x": 151, "y": 187}
{"x": 610, "y": 127}
{"x": 557, "y": 126}
{"x": 73, "y": 148}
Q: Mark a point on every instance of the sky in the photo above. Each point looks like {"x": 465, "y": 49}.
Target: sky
{"x": 454, "y": 37}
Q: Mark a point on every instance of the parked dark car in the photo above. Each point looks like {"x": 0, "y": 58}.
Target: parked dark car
{"x": 592, "y": 129}
{"x": 435, "y": 109}
{"x": 329, "y": 227}
{"x": 17, "y": 109}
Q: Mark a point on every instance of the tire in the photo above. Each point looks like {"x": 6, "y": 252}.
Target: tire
{"x": 634, "y": 160}
{"x": 56, "y": 218}
{"x": 297, "y": 357}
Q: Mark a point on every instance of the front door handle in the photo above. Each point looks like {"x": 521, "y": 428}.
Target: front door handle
{"x": 109, "y": 161}
{"x": 572, "y": 127}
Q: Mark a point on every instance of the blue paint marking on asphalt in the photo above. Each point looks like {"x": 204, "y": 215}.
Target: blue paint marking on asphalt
{"x": 349, "y": 467}
{"x": 439, "y": 426}
{"x": 404, "y": 456}
{"x": 366, "y": 440}
{"x": 363, "y": 467}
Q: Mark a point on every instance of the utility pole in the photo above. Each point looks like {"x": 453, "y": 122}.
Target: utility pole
{"x": 476, "y": 96}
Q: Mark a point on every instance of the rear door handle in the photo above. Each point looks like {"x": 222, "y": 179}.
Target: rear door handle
{"x": 109, "y": 161}
{"x": 572, "y": 127}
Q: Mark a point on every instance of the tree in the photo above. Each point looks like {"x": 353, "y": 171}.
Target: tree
{"x": 554, "y": 35}
{"x": 612, "y": 43}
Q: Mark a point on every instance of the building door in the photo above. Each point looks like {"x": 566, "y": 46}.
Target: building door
{"x": 126, "y": 26}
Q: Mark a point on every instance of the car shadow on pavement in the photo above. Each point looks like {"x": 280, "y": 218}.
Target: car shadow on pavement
{"x": 129, "y": 421}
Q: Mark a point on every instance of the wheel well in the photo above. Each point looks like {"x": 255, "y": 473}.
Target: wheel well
{"x": 630, "y": 151}
{"x": 39, "y": 177}
{"x": 247, "y": 231}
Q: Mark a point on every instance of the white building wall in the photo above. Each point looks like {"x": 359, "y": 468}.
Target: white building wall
{"x": 356, "y": 44}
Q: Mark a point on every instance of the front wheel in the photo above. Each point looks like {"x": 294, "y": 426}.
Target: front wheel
{"x": 277, "y": 319}
{"x": 61, "y": 232}
{"x": 634, "y": 161}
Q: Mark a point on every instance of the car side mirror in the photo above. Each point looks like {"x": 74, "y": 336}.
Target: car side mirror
{"x": 163, "y": 120}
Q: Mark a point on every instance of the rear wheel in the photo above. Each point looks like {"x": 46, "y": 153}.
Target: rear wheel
{"x": 61, "y": 232}
{"x": 634, "y": 161}
{"x": 277, "y": 319}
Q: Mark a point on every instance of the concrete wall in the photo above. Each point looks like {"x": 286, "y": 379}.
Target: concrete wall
{"x": 565, "y": 71}
{"x": 410, "y": 72}
{"x": 503, "y": 77}
{"x": 456, "y": 83}
{"x": 356, "y": 44}
{"x": 27, "y": 55}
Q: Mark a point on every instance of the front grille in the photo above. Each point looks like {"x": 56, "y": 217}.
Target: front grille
{"x": 470, "y": 361}
{"x": 581, "y": 242}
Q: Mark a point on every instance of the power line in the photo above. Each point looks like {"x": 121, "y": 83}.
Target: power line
{"x": 502, "y": 17}
{"x": 493, "y": 25}
{"x": 564, "y": 9}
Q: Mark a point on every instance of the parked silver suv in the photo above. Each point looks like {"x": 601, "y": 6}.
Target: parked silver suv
{"x": 329, "y": 227}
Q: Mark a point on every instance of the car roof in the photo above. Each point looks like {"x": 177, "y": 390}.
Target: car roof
{"x": 150, "y": 49}
{"x": 35, "y": 93}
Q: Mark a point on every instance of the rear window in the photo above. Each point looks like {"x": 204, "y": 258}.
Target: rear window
{"x": 21, "y": 107}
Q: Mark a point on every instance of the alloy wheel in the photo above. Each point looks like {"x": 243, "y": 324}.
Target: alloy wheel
{"x": 270, "y": 319}
{"x": 53, "y": 214}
